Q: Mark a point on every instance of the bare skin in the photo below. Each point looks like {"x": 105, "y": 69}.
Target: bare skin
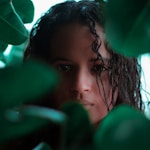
{"x": 72, "y": 55}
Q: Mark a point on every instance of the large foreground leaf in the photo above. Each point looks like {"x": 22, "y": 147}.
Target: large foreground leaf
{"x": 124, "y": 128}
{"x": 21, "y": 121}
{"x": 25, "y": 9}
{"x": 128, "y": 25}
{"x": 79, "y": 131}
{"x": 12, "y": 29}
{"x": 25, "y": 82}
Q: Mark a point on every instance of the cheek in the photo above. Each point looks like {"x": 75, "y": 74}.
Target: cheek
{"x": 101, "y": 110}
{"x": 60, "y": 95}
{"x": 108, "y": 94}
{"x": 107, "y": 97}
{"x": 103, "y": 85}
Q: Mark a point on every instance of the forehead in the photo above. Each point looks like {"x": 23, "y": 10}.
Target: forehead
{"x": 75, "y": 38}
{"x": 70, "y": 34}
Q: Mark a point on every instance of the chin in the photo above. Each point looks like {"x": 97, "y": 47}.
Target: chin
{"x": 97, "y": 120}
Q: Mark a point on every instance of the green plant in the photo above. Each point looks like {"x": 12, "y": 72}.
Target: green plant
{"x": 127, "y": 26}
{"x": 123, "y": 128}
{"x": 20, "y": 84}
{"x": 13, "y": 15}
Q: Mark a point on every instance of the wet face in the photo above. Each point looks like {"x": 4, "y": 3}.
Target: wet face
{"x": 71, "y": 54}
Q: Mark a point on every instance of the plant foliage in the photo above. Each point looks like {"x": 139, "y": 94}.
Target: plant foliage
{"x": 128, "y": 25}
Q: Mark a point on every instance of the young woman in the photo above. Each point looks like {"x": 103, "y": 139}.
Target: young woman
{"x": 70, "y": 37}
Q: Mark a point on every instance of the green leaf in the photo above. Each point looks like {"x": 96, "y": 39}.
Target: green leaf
{"x": 15, "y": 55}
{"x": 2, "y": 62}
{"x": 79, "y": 130}
{"x": 27, "y": 124}
{"x": 24, "y": 120}
{"x": 42, "y": 146}
{"x": 3, "y": 46}
{"x": 124, "y": 128}
{"x": 128, "y": 25}
{"x": 25, "y": 9}
{"x": 25, "y": 82}
{"x": 12, "y": 29}
{"x": 52, "y": 115}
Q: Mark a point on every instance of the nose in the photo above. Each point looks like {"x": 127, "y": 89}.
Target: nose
{"x": 82, "y": 82}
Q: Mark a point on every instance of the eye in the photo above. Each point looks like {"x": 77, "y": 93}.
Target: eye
{"x": 63, "y": 67}
{"x": 99, "y": 68}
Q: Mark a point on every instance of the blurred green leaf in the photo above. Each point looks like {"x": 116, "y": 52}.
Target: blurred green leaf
{"x": 124, "y": 128}
{"x": 12, "y": 29}
{"x": 3, "y": 46}
{"x": 25, "y": 9}
{"x": 20, "y": 121}
{"x": 15, "y": 55}
{"x": 2, "y": 63}
{"x": 79, "y": 132}
{"x": 128, "y": 25}
{"x": 10, "y": 130}
{"x": 52, "y": 115}
{"x": 42, "y": 146}
{"x": 25, "y": 82}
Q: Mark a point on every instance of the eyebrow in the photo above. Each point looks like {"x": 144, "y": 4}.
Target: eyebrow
{"x": 69, "y": 60}
{"x": 59, "y": 59}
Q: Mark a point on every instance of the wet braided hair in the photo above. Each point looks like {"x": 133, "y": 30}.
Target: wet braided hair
{"x": 124, "y": 72}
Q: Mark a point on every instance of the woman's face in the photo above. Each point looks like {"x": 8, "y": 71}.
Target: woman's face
{"x": 71, "y": 54}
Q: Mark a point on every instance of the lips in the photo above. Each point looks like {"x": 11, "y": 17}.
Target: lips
{"x": 86, "y": 104}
